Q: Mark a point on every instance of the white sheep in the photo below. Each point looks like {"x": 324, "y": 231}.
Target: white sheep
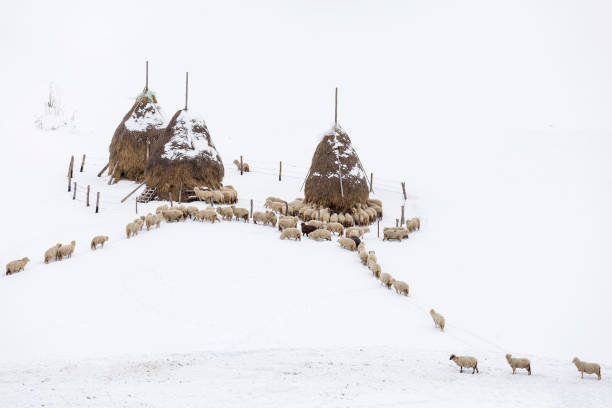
{"x": 589, "y": 368}
{"x": 401, "y": 287}
{"x": 16, "y": 266}
{"x": 320, "y": 234}
{"x": 245, "y": 166}
{"x": 131, "y": 229}
{"x": 98, "y": 240}
{"x": 395, "y": 233}
{"x": 518, "y": 363}
{"x": 241, "y": 213}
{"x": 372, "y": 257}
{"x": 438, "y": 319}
{"x": 335, "y": 227}
{"x": 386, "y": 279}
{"x": 161, "y": 208}
{"x": 315, "y": 223}
{"x": 51, "y": 253}
{"x": 465, "y": 361}
{"x": 153, "y": 219}
{"x": 347, "y": 243}
{"x": 172, "y": 215}
{"x": 363, "y": 255}
{"x": 203, "y": 195}
{"x": 287, "y": 222}
{"x": 226, "y": 213}
{"x": 291, "y": 233}
{"x": 65, "y": 251}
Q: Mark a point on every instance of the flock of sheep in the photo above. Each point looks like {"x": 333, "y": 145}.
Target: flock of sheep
{"x": 317, "y": 224}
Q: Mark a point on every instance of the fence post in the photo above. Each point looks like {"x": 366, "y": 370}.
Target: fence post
{"x": 241, "y": 165}
{"x": 286, "y": 208}
{"x": 170, "y": 194}
{"x": 136, "y": 201}
{"x": 397, "y": 222}
{"x": 280, "y": 171}
{"x": 402, "y": 223}
{"x": 251, "y": 208}
{"x": 104, "y": 168}
{"x": 82, "y": 163}
{"x": 88, "y": 188}
{"x": 74, "y": 192}
{"x": 70, "y": 166}
{"x": 404, "y": 190}
{"x": 378, "y": 228}
{"x": 97, "y": 201}
{"x": 69, "y": 183}
{"x": 371, "y": 180}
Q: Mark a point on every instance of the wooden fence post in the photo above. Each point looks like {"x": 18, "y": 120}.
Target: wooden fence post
{"x": 251, "y": 208}
{"x": 397, "y": 222}
{"x": 74, "y": 192}
{"x": 241, "y": 165}
{"x": 371, "y": 180}
{"x": 402, "y": 223}
{"x": 170, "y": 194}
{"x": 70, "y": 166}
{"x": 82, "y": 163}
{"x": 378, "y": 227}
{"x": 136, "y": 201}
{"x": 97, "y": 201}
{"x": 280, "y": 171}
{"x": 69, "y": 182}
{"x": 104, "y": 168}
{"x": 88, "y": 188}
{"x": 404, "y": 190}
{"x": 286, "y": 208}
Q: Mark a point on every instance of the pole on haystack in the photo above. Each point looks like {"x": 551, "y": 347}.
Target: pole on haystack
{"x": 186, "y": 88}
{"x": 147, "y": 77}
{"x": 336, "y": 110}
{"x": 148, "y": 149}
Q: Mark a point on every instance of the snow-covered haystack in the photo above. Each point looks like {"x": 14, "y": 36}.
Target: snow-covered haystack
{"x": 184, "y": 155}
{"x": 54, "y": 117}
{"x": 142, "y": 125}
{"x": 336, "y": 178}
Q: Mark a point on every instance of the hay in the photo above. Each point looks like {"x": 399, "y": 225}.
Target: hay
{"x": 184, "y": 154}
{"x": 144, "y": 122}
{"x": 333, "y": 157}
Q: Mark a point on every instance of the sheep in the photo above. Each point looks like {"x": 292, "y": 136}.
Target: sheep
{"x": 172, "y": 215}
{"x": 245, "y": 166}
{"x": 335, "y": 227}
{"x": 413, "y": 224}
{"x": 518, "y": 363}
{"x": 307, "y": 229}
{"x": 259, "y": 216}
{"x": 274, "y": 200}
{"x": 372, "y": 201}
{"x": 153, "y": 219}
{"x": 203, "y": 195}
{"x": 363, "y": 256}
{"x": 315, "y": 223}
{"x": 386, "y": 280}
{"x": 291, "y": 233}
{"x": 320, "y": 234}
{"x": 325, "y": 217}
{"x": 376, "y": 269}
{"x": 438, "y": 319}
{"x": 275, "y": 206}
{"x": 401, "y": 287}
{"x": 226, "y": 213}
{"x": 348, "y": 220}
{"x": 334, "y": 218}
{"x": 372, "y": 257}
{"x": 353, "y": 232}
{"x": 16, "y": 266}
{"x": 394, "y": 233}
{"x": 98, "y": 240}
{"x": 229, "y": 196}
{"x": 218, "y": 197}
{"x": 288, "y": 222}
{"x": 65, "y": 251}
{"x": 192, "y": 211}
{"x": 140, "y": 223}
{"x": 207, "y": 214}
{"x": 131, "y": 229}
{"x": 465, "y": 361}
{"x": 161, "y": 208}
{"x": 51, "y": 253}
{"x": 182, "y": 209}
{"x": 341, "y": 219}
{"x": 347, "y": 243}
{"x": 589, "y": 368}
{"x": 240, "y": 213}
{"x": 357, "y": 241}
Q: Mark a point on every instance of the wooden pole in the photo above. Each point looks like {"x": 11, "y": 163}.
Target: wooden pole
{"x": 69, "y": 182}
{"x": 136, "y": 201}
{"x": 241, "y": 165}
{"x": 132, "y": 192}
{"x": 404, "y": 190}
{"x": 104, "y": 168}
{"x": 397, "y": 222}
{"x": 97, "y": 201}
{"x": 110, "y": 180}
{"x": 74, "y": 192}
{"x": 147, "y": 77}
{"x": 378, "y": 227}
{"x": 251, "y": 208}
{"x": 186, "y": 88}
{"x": 402, "y": 223}
{"x": 286, "y": 208}
{"x": 82, "y": 163}
{"x": 70, "y": 166}
{"x": 336, "y": 110}
{"x": 180, "y": 193}
{"x": 280, "y": 171}
{"x": 88, "y": 188}
{"x": 371, "y": 180}
{"x": 170, "y": 193}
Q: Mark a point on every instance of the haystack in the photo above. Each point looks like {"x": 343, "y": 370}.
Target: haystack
{"x": 143, "y": 124}
{"x": 184, "y": 155}
{"x": 336, "y": 178}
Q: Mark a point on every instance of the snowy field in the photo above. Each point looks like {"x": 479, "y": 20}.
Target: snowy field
{"x": 506, "y": 164}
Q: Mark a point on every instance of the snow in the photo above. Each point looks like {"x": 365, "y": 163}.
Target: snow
{"x": 146, "y": 116}
{"x": 190, "y": 138}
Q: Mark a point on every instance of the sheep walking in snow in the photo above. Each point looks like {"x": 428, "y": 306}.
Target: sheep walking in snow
{"x": 140, "y": 223}
{"x": 226, "y": 213}
{"x": 161, "y": 208}
{"x": 335, "y": 227}
{"x": 153, "y": 219}
{"x": 291, "y": 233}
{"x": 394, "y": 233}
{"x": 51, "y": 253}
{"x": 347, "y": 243}
{"x": 589, "y": 368}
{"x": 98, "y": 240}
{"x": 240, "y": 213}
{"x": 375, "y": 268}
{"x": 315, "y": 223}
{"x": 202, "y": 195}
{"x": 208, "y": 215}
{"x": 320, "y": 234}
{"x": 66, "y": 251}
{"x": 465, "y": 361}
{"x": 287, "y": 222}
{"x": 307, "y": 229}
{"x": 245, "y": 166}
{"x": 131, "y": 229}
{"x": 518, "y": 363}
{"x": 438, "y": 319}
{"x": 173, "y": 215}
{"x": 363, "y": 254}
{"x": 386, "y": 280}
{"x": 413, "y": 224}
{"x": 16, "y": 266}
{"x": 401, "y": 287}
{"x": 371, "y": 257}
